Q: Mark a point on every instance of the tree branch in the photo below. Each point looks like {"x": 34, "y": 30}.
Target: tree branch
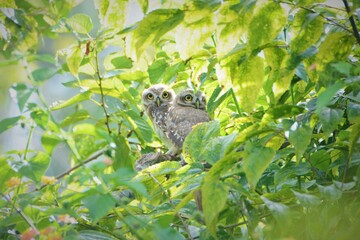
{"x": 352, "y": 21}
{"x": 103, "y": 105}
{"x": 22, "y": 214}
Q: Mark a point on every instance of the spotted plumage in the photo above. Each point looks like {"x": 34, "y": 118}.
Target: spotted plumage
{"x": 188, "y": 109}
{"x": 157, "y": 100}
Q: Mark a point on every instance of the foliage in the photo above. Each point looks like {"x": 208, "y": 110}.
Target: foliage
{"x": 280, "y": 160}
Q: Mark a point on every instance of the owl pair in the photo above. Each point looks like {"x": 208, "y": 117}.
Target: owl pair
{"x": 173, "y": 116}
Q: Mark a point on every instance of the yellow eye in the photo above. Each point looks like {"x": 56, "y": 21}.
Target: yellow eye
{"x": 150, "y": 96}
{"x": 188, "y": 98}
{"x": 165, "y": 94}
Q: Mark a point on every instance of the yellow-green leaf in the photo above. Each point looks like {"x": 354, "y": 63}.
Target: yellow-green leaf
{"x": 80, "y": 23}
{"x": 73, "y": 60}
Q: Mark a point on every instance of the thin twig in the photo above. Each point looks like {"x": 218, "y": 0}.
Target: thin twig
{"x": 23, "y": 215}
{"x": 352, "y": 21}
{"x": 73, "y": 169}
{"x": 172, "y": 204}
{"x": 107, "y": 116}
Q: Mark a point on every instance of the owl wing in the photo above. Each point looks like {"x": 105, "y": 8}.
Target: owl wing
{"x": 180, "y": 123}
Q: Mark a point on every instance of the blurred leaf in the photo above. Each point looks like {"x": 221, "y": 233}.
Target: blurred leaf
{"x": 93, "y": 201}
{"x": 278, "y": 210}
{"x": 80, "y": 22}
{"x": 153, "y": 26}
{"x": 214, "y": 196}
{"x": 112, "y": 14}
{"x": 8, "y": 123}
{"x": 111, "y": 87}
{"x": 308, "y": 28}
{"x": 256, "y": 159}
{"x": 73, "y": 100}
{"x": 158, "y": 169}
{"x": 77, "y": 116}
{"x": 300, "y": 136}
{"x": 73, "y": 60}
{"x": 285, "y": 111}
{"x": 330, "y": 192}
{"x": 354, "y": 139}
{"x": 307, "y": 200}
{"x": 327, "y": 96}
{"x": 49, "y": 141}
{"x": 122, "y": 62}
{"x": 43, "y": 74}
{"x": 140, "y": 126}
{"x": 22, "y": 93}
{"x": 251, "y": 73}
{"x": 320, "y": 159}
{"x": 269, "y": 21}
{"x": 329, "y": 118}
{"x": 34, "y": 168}
{"x": 353, "y": 112}
{"x": 40, "y": 117}
{"x": 215, "y": 101}
{"x": 156, "y": 70}
{"x": 122, "y": 153}
{"x": 92, "y": 235}
{"x": 5, "y": 173}
{"x": 195, "y": 143}
{"x": 215, "y": 148}
{"x": 291, "y": 170}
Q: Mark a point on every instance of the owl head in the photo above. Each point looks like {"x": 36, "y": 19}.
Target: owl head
{"x": 158, "y": 95}
{"x": 187, "y": 98}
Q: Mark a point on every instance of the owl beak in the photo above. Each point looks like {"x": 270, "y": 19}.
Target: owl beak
{"x": 197, "y": 102}
{"x": 158, "y": 101}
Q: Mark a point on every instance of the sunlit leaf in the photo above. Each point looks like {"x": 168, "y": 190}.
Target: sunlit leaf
{"x": 156, "y": 70}
{"x": 112, "y": 14}
{"x": 71, "y": 101}
{"x": 77, "y": 116}
{"x": 5, "y": 173}
{"x": 121, "y": 62}
{"x": 299, "y": 135}
{"x": 40, "y": 117}
{"x": 327, "y": 96}
{"x": 269, "y": 21}
{"x": 330, "y": 118}
{"x": 256, "y": 159}
{"x": 80, "y": 22}
{"x": 50, "y": 140}
{"x": 122, "y": 153}
{"x": 73, "y": 60}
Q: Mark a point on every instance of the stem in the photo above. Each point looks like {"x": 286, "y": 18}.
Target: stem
{"x": 352, "y": 21}
{"x": 103, "y": 105}
{"x": 236, "y": 102}
{"x": 32, "y": 127}
{"x": 23, "y": 215}
{"x": 172, "y": 204}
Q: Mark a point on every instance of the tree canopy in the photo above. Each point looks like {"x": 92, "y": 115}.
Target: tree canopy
{"x": 279, "y": 160}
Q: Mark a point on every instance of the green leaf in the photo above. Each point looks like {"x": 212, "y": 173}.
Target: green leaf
{"x": 93, "y": 235}
{"x": 153, "y": 26}
{"x": 43, "y": 74}
{"x": 353, "y": 112}
{"x": 330, "y": 192}
{"x": 112, "y": 14}
{"x": 299, "y": 136}
{"x": 8, "y": 123}
{"x": 284, "y": 111}
{"x": 291, "y": 170}
{"x": 265, "y": 25}
{"x": 34, "y": 168}
{"x": 326, "y": 96}
{"x": 214, "y": 196}
{"x": 122, "y": 153}
{"x": 40, "y": 117}
{"x": 247, "y": 87}
{"x": 256, "y": 159}
{"x": 77, "y": 116}
{"x": 195, "y": 143}
{"x": 216, "y": 147}
{"x": 111, "y": 87}
{"x": 307, "y": 200}
{"x": 278, "y": 210}
{"x": 80, "y": 22}
{"x": 73, "y": 60}
{"x": 140, "y": 126}
{"x": 73, "y": 100}
{"x": 5, "y": 173}
{"x": 22, "y": 93}
{"x": 307, "y": 28}
{"x": 320, "y": 159}
{"x": 329, "y": 118}
{"x": 156, "y": 70}
{"x": 122, "y": 62}
{"x": 49, "y": 141}
{"x": 354, "y": 139}
{"x": 99, "y": 205}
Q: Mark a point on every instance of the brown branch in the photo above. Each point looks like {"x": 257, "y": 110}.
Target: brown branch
{"x": 352, "y": 21}
{"x": 23, "y": 215}
{"x": 172, "y": 204}
{"x": 103, "y": 105}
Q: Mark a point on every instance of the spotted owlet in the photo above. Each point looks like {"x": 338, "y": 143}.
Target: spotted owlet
{"x": 188, "y": 109}
{"x": 157, "y": 100}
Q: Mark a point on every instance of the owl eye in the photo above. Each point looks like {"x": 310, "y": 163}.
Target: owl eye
{"x": 188, "y": 98}
{"x": 150, "y": 96}
{"x": 165, "y": 94}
